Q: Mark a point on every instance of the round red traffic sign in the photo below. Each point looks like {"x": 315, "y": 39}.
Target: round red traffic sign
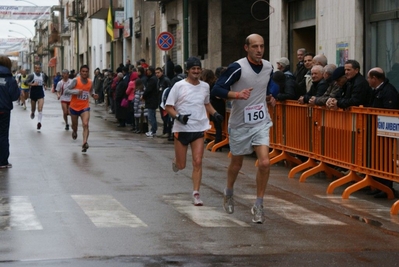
{"x": 165, "y": 41}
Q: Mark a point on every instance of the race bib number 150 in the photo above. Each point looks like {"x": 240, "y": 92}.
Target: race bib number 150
{"x": 254, "y": 114}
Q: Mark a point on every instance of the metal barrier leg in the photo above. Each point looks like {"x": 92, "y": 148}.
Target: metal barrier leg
{"x": 210, "y": 145}
{"x": 319, "y": 168}
{"x": 274, "y": 153}
{"x": 322, "y": 167}
{"x": 395, "y": 208}
{"x": 350, "y": 177}
{"x": 367, "y": 181}
{"x": 306, "y": 165}
{"x": 220, "y": 144}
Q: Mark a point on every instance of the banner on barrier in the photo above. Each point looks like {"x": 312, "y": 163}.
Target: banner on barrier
{"x": 388, "y": 126}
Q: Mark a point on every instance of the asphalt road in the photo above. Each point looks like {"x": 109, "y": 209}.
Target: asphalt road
{"x": 120, "y": 204}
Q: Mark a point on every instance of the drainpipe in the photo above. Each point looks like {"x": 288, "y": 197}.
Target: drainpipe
{"x": 185, "y": 29}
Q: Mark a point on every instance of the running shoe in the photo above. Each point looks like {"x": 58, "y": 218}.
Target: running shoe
{"x": 9, "y": 165}
{"x": 25, "y": 107}
{"x": 85, "y": 147}
{"x": 150, "y": 134}
{"x": 174, "y": 167}
{"x": 74, "y": 135}
{"x": 257, "y": 212}
{"x": 228, "y": 203}
{"x": 39, "y": 125}
{"x": 32, "y": 115}
{"x": 196, "y": 200}
{"x": 67, "y": 127}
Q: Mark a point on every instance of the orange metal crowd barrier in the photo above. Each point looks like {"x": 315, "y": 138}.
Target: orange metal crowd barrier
{"x": 363, "y": 141}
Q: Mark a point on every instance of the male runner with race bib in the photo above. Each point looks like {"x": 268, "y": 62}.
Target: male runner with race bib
{"x": 246, "y": 82}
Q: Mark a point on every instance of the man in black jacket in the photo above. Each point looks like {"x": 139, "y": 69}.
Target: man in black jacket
{"x": 151, "y": 100}
{"x": 301, "y": 70}
{"x": 163, "y": 83}
{"x": 357, "y": 90}
{"x": 384, "y": 95}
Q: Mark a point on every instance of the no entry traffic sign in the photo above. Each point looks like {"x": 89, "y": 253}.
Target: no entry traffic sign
{"x": 165, "y": 41}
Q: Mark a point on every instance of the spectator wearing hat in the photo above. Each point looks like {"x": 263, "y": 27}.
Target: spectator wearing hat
{"x": 283, "y": 64}
{"x": 188, "y": 103}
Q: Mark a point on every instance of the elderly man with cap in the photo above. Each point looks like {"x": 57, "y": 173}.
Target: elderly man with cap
{"x": 283, "y": 64}
{"x": 188, "y": 103}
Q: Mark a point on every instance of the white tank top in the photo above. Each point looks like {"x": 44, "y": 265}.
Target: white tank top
{"x": 249, "y": 78}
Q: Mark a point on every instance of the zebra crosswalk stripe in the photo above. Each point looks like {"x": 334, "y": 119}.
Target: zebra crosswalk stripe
{"x": 17, "y": 213}
{"x": 105, "y": 211}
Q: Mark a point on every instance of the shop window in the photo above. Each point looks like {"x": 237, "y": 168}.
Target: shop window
{"x": 385, "y": 48}
{"x": 202, "y": 29}
{"x": 302, "y": 10}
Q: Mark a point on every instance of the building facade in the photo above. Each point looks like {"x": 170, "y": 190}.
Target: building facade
{"x": 215, "y": 30}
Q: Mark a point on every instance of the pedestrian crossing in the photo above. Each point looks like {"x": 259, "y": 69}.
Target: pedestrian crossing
{"x": 104, "y": 211}
{"x": 17, "y": 213}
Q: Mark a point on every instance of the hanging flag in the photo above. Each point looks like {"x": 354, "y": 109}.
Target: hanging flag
{"x": 110, "y": 24}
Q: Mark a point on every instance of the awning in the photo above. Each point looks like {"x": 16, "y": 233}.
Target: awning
{"x": 52, "y": 62}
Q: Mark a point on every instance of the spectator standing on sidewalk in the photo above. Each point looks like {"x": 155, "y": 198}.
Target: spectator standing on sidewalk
{"x": 163, "y": 83}
{"x": 151, "y": 100}
{"x": 9, "y": 92}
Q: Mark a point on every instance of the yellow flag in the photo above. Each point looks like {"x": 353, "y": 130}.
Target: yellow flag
{"x": 110, "y": 24}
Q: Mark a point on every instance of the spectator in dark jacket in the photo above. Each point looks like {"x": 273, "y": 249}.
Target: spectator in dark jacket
{"x": 121, "y": 113}
{"x": 9, "y": 92}
{"x": 288, "y": 88}
{"x": 178, "y": 75}
{"x": 356, "y": 92}
{"x": 300, "y": 66}
{"x": 384, "y": 95}
{"x": 151, "y": 100}
{"x": 319, "y": 85}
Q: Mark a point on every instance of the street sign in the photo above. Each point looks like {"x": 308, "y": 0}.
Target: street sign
{"x": 165, "y": 41}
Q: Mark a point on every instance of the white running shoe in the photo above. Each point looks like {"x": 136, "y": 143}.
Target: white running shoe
{"x": 196, "y": 199}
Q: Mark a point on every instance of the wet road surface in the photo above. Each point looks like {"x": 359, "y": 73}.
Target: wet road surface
{"x": 120, "y": 204}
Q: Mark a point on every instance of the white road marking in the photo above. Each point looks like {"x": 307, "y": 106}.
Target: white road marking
{"x": 204, "y": 216}
{"x": 363, "y": 205}
{"x": 294, "y": 212}
{"x": 105, "y": 211}
{"x": 18, "y": 214}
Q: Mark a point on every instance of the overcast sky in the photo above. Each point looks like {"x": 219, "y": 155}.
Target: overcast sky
{"x": 5, "y": 25}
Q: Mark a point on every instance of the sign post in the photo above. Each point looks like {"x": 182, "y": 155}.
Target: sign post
{"x": 165, "y": 42}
